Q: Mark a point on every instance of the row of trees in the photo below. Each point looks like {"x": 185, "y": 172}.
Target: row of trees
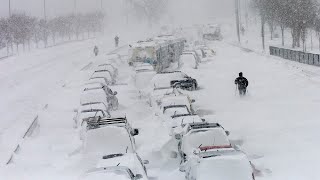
{"x": 295, "y": 15}
{"x": 23, "y": 29}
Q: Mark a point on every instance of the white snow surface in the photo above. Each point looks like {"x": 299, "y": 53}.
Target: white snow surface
{"x": 276, "y": 124}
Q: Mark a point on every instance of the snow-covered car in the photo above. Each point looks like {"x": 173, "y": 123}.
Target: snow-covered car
{"x": 209, "y": 52}
{"x": 108, "y": 136}
{"x": 158, "y": 93}
{"x": 111, "y": 173}
{"x": 109, "y": 67}
{"x": 144, "y": 74}
{"x": 174, "y": 110}
{"x": 176, "y": 79}
{"x": 178, "y": 122}
{"x": 100, "y": 80}
{"x": 214, "y": 162}
{"x": 188, "y": 60}
{"x": 111, "y": 96}
{"x": 180, "y": 99}
{"x": 93, "y": 96}
{"x": 194, "y": 53}
{"x": 106, "y": 75}
{"x": 196, "y": 135}
{"x": 130, "y": 160}
{"x": 89, "y": 110}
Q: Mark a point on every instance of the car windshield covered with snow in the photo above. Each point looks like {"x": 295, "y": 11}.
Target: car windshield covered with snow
{"x": 129, "y": 160}
{"x": 108, "y": 140}
{"x": 174, "y": 110}
{"x": 93, "y": 96}
{"x": 203, "y": 135}
{"x": 177, "y": 100}
{"x": 223, "y": 165}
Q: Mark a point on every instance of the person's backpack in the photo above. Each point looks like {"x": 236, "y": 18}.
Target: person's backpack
{"x": 242, "y": 82}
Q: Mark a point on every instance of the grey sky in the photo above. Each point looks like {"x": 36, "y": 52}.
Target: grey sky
{"x": 180, "y": 9}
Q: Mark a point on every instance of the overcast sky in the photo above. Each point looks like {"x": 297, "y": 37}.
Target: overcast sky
{"x": 179, "y": 9}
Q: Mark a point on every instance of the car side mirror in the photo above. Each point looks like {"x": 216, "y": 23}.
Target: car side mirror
{"x": 145, "y": 162}
{"x": 135, "y": 132}
{"x": 177, "y": 136}
{"x": 227, "y": 133}
{"x": 193, "y": 101}
{"x": 138, "y": 176}
{"x": 115, "y": 93}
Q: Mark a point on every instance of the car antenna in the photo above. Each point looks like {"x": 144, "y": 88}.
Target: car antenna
{"x": 182, "y": 121}
{"x": 118, "y": 164}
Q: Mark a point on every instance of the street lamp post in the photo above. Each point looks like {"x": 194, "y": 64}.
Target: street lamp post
{"x": 44, "y": 10}
{"x": 9, "y": 8}
{"x": 237, "y": 19}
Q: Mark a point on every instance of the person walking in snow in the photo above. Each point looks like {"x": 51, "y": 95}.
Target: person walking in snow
{"x": 116, "y": 39}
{"x": 96, "y": 50}
{"x": 242, "y": 84}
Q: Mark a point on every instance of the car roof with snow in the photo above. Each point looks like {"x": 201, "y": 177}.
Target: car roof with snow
{"x": 164, "y": 79}
{"x": 93, "y": 96}
{"x": 175, "y": 100}
{"x": 229, "y": 165}
{"x": 98, "y": 122}
{"x": 100, "y": 80}
{"x": 108, "y": 140}
{"x": 105, "y": 68}
{"x": 102, "y": 74}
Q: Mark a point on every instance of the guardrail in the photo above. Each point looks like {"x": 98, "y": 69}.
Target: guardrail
{"x": 293, "y": 55}
{"x": 28, "y": 133}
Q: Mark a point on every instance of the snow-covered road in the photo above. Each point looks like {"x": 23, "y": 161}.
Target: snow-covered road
{"x": 278, "y": 121}
{"x": 276, "y": 124}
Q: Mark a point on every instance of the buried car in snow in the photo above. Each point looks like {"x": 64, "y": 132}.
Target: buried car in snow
{"x": 90, "y": 110}
{"x": 180, "y": 99}
{"x": 180, "y": 121}
{"x": 176, "y": 79}
{"x": 109, "y": 67}
{"x": 108, "y": 136}
{"x": 111, "y": 173}
{"x": 130, "y": 160}
{"x": 112, "y": 99}
{"x": 196, "y": 135}
{"x": 218, "y": 162}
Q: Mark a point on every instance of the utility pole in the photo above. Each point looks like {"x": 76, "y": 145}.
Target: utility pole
{"x": 44, "y": 10}
{"x": 9, "y": 8}
{"x": 237, "y": 19}
{"x": 75, "y": 6}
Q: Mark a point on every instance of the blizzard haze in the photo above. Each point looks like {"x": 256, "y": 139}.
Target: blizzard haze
{"x": 175, "y": 12}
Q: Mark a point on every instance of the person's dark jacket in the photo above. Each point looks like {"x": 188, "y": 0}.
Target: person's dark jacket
{"x": 242, "y": 82}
